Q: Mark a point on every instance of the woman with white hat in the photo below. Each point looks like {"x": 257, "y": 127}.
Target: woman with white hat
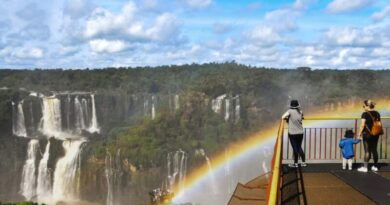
{"x": 294, "y": 117}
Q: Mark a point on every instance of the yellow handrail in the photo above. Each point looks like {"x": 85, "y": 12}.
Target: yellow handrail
{"x": 273, "y": 186}
{"x": 339, "y": 118}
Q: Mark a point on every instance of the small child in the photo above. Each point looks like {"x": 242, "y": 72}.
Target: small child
{"x": 346, "y": 145}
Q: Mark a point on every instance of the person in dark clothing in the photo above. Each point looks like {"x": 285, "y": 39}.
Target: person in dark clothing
{"x": 370, "y": 142}
{"x": 346, "y": 145}
{"x": 294, "y": 117}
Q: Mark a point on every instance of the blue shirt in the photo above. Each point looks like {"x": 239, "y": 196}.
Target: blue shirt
{"x": 346, "y": 145}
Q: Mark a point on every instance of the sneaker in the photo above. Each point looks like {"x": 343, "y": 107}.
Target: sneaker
{"x": 362, "y": 169}
{"x": 350, "y": 168}
{"x": 374, "y": 168}
{"x": 344, "y": 168}
{"x": 303, "y": 164}
{"x": 294, "y": 165}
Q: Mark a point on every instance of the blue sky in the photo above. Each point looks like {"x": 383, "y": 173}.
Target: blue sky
{"x": 340, "y": 34}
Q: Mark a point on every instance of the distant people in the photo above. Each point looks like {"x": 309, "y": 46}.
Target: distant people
{"x": 370, "y": 135}
{"x": 294, "y": 117}
{"x": 347, "y": 149}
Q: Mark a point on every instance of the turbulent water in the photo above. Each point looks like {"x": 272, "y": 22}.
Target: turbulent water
{"x": 67, "y": 172}
{"x": 28, "y": 184}
{"x": 44, "y": 189}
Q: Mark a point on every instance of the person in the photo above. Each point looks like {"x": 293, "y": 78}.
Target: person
{"x": 294, "y": 117}
{"x": 370, "y": 142}
{"x": 346, "y": 145}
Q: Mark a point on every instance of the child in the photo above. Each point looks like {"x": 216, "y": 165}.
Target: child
{"x": 346, "y": 145}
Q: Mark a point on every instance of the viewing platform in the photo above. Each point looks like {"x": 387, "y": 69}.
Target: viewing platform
{"x": 323, "y": 181}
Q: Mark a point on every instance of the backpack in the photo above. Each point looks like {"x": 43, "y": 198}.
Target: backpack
{"x": 376, "y": 128}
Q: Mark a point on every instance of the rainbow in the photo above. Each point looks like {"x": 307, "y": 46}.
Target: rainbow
{"x": 261, "y": 138}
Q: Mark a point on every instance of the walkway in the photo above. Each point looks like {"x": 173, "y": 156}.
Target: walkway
{"x": 327, "y": 184}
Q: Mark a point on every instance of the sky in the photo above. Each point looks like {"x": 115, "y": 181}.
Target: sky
{"x": 337, "y": 34}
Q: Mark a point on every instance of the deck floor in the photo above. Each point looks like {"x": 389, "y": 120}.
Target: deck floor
{"x": 328, "y": 184}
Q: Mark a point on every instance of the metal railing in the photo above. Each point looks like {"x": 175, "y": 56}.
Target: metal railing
{"x": 320, "y": 144}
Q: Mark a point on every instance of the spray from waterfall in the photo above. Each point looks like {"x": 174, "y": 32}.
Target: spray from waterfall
{"x": 28, "y": 184}
{"x": 213, "y": 181}
{"x": 44, "y": 177}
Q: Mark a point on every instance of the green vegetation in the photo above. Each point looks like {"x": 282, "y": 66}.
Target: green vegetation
{"x": 264, "y": 94}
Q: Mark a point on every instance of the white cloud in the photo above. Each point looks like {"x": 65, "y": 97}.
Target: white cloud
{"x": 349, "y": 36}
{"x": 77, "y": 8}
{"x": 379, "y": 16}
{"x": 22, "y": 52}
{"x": 339, "y": 6}
{"x": 106, "y": 46}
{"x": 198, "y": 3}
{"x": 264, "y": 35}
{"x": 130, "y": 25}
{"x": 302, "y": 4}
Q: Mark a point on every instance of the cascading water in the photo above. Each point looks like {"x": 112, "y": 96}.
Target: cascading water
{"x": 84, "y": 104}
{"x": 216, "y": 104}
{"x": 19, "y": 129}
{"x": 109, "y": 178}
{"x": 213, "y": 180}
{"x": 51, "y": 117}
{"x": 177, "y": 168}
{"x": 44, "y": 177}
{"x": 28, "y": 185}
{"x": 153, "y": 108}
{"x": 79, "y": 114}
{"x": 227, "y": 109}
{"x": 67, "y": 171}
{"x": 94, "y": 123}
{"x": 114, "y": 173}
{"x": 237, "y": 109}
{"x": 177, "y": 104}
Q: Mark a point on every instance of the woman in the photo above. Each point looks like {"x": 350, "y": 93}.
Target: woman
{"x": 370, "y": 142}
{"x": 294, "y": 117}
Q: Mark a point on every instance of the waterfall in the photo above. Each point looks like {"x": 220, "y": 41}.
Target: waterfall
{"x": 79, "y": 115}
{"x": 84, "y": 103}
{"x": 109, "y": 178}
{"x": 28, "y": 184}
{"x": 68, "y": 112}
{"x": 216, "y": 104}
{"x": 44, "y": 177}
{"x": 177, "y": 168}
{"x": 51, "y": 117}
{"x": 153, "y": 108}
{"x": 19, "y": 128}
{"x": 177, "y": 104}
{"x": 213, "y": 181}
{"x": 227, "y": 109}
{"x": 67, "y": 171}
{"x": 94, "y": 123}
{"x": 237, "y": 109}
